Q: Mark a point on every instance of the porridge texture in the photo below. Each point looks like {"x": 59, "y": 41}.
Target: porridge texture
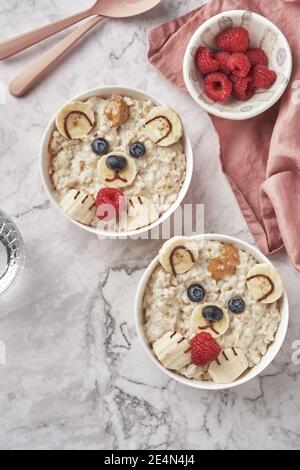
{"x": 156, "y": 172}
{"x": 168, "y": 307}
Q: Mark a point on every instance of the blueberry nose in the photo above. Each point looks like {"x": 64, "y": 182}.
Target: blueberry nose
{"x": 116, "y": 163}
{"x": 212, "y": 313}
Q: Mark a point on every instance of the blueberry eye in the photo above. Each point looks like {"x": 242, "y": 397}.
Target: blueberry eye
{"x": 236, "y": 305}
{"x": 137, "y": 150}
{"x": 100, "y": 146}
{"x": 196, "y": 293}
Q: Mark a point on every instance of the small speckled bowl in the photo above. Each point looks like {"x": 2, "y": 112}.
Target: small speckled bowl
{"x": 264, "y": 34}
{"x": 266, "y": 360}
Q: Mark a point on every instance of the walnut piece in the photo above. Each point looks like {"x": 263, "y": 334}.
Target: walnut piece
{"x": 117, "y": 111}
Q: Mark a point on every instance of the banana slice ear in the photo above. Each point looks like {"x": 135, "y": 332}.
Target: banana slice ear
{"x": 141, "y": 213}
{"x": 200, "y": 324}
{"x": 229, "y": 366}
{"x": 117, "y": 179}
{"x": 173, "y": 351}
{"x": 75, "y": 120}
{"x": 79, "y": 206}
{"x": 265, "y": 284}
{"x": 179, "y": 255}
{"x": 164, "y": 126}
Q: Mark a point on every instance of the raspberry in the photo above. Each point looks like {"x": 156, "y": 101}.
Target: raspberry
{"x": 239, "y": 64}
{"x": 257, "y": 56}
{"x": 218, "y": 87}
{"x": 234, "y": 40}
{"x": 110, "y": 203}
{"x": 222, "y": 58}
{"x": 243, "y": 88}
{"x": 263, "y": 77}
{"x": 206, "y": 62}
{"x": 204, "y": 349}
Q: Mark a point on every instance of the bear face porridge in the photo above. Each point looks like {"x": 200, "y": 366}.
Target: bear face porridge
{"x": 117, "y": 162}
{"x": 210, "y": 310}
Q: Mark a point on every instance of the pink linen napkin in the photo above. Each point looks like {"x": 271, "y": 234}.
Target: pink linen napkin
{"x": 260, "y": 156}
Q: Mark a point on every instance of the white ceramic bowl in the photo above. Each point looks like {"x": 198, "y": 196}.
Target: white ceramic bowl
{"x": 266, "y": 360}
{"x": 106, "y": 92}
{"x": 263, "y": 34}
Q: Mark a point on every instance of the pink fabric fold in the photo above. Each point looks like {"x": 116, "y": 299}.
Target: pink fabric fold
{"x": 261, "y": 156}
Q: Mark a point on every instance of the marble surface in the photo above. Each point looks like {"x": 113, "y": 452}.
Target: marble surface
{"x": 76, "y": 376}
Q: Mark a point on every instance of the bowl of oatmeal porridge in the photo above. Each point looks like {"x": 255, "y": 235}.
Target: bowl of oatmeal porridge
{"x": 211, "y": 311}
{"x": 116, "y": 161}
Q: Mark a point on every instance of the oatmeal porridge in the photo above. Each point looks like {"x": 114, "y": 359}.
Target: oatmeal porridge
{"x": 117, "y": 161}
{"x": 210, "y": 310}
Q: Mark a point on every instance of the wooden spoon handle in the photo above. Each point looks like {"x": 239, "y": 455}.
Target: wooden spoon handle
{"x": 19, "y": 43}
{"x": 27, "y": 79}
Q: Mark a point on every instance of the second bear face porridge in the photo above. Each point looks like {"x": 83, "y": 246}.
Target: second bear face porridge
{"x": 117, "y": 162}
{"x": 210, "y": 310}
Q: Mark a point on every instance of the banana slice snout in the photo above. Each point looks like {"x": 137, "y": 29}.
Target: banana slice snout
{"x": 179, "y": 255}
{"x": 75, "y": 120}
{"x": 265, "y": 284}
{"x": 79, "y": 206}
{"x": 163, "y": 126}
{"x": 229, "y": 366}
{"x": 114, "y": 175}
{"x": 173, "y": 351}
{"x": 141, "y": 213}
{"x": 203, "y": 321}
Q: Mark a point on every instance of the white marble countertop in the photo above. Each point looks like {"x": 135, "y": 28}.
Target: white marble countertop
{"x": 76, "y": 376}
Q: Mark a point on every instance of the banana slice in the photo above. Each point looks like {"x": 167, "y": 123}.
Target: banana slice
{"x": 141, "y": 213}
{"x": 164, "y": 126}
{"x": 173, "y": 351}
{"x": 79, "y": 206}
{"x": 178, "y": 255}
{"x": 75, "y": 120}
{"x": 216, "y": 329}
{"x": 115, "y": 178}
{"x": 265, "y": 283}
{"x": 229, "y": 366}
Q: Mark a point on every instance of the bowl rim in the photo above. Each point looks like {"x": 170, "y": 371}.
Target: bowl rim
{"x": 123, "y": 91}
{"x": 273, "y": 348}
{"x": 234, "y": 116}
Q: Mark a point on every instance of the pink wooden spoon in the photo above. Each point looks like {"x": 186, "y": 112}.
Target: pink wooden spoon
{"x": 108, "y": 8}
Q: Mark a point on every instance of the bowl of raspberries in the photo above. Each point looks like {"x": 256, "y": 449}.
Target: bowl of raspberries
{"x": 237, "y": 65}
